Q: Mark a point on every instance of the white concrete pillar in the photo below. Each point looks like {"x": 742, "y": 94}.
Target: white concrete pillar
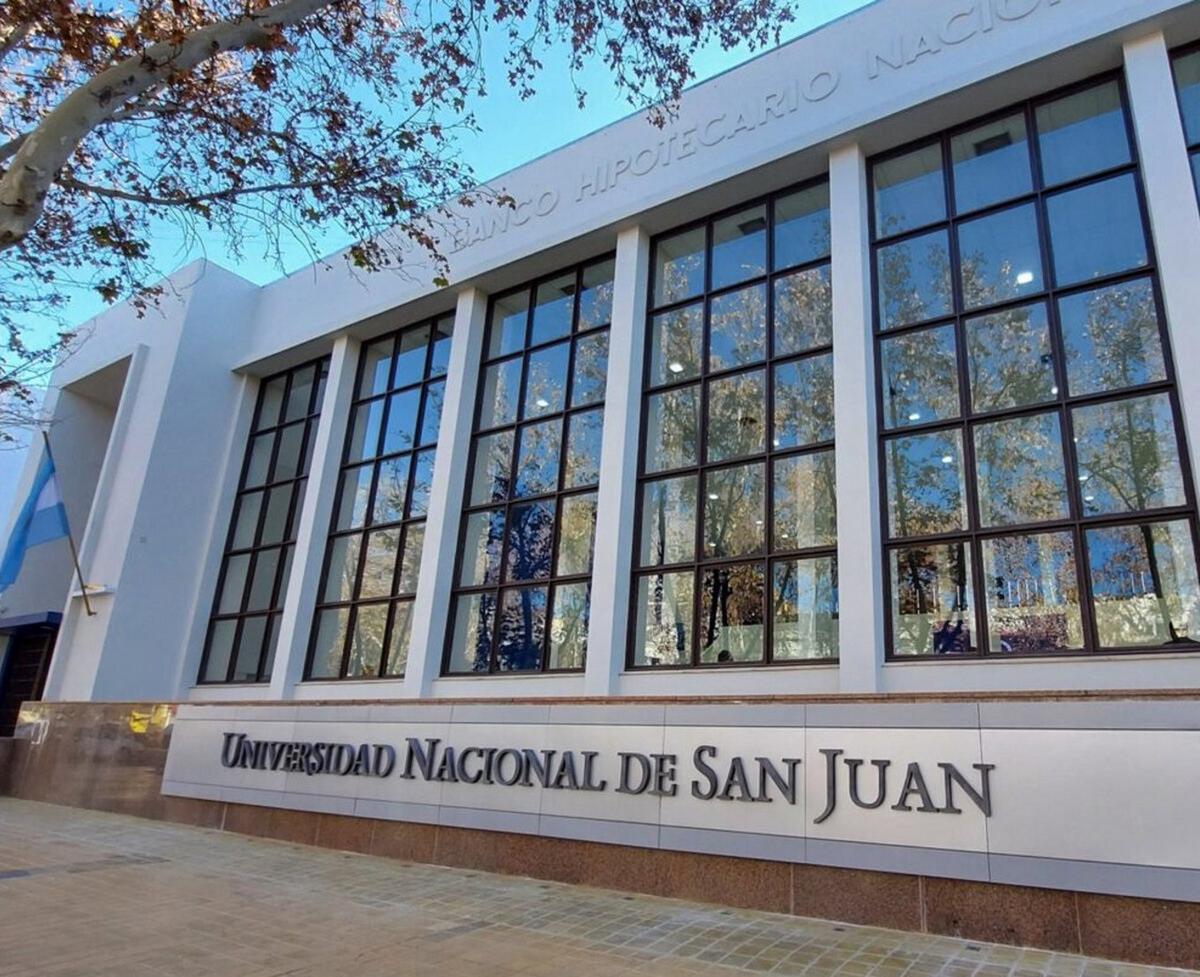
{"x": 611, "y": 568}
{"x": 1174, "y": 214}
{"x": 312, "y": 533}
{"x": 431, "y": 606}
{"x": 860, "y": 550}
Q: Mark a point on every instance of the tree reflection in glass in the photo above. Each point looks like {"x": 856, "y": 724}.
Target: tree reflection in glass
{"x": 569, "y": 625}
{"x": 665, "y": 611}
{"x": 803, "y": 402}
{"x": 736, "y": 424}
{"x": 590, "y": 375}
{"x": 926, "y": 487}
{"x": 738, "y": 328}
{"x": 919, "y": 374}
{"x": 932, "y": 603}
{"x": 329, "y": 642}
{"x": 734, "y": 511}
{"x": 353, "y": 496}
{"x": 366, "y": 641}
{"x": 493, "y": 468}
{"x": 672, "y": 429}
{"x": 803, "y": 311}
{"x": 577, "y": 530}
{"x": 596, "y": 295}
{"x": 538, "y": 454}
{"x": 1000, "y": 257}
{"x": 530, "y": 541}
{"x": 400, "y": 639}
{"x": 379, "y": 563}
{"x": 1020, "y": 471}
{"x": 914, "y": 280}
{"x": 546, "y": 380}
{"x": 391, "y": 492}
{"x": 1144, "y": 585}
{"x": 483, "y": 540}
{"x": 471, "y": 648}
{"x": 767, "y": 306}
{"x": 584, "y": 436}
{"x": 804, "y": 501}
{"x": 1127, "y": 455}
{"x": 732, "y": 613}
{"x": 501, "y": 390}
{"x": 524, "y": 519}
{"x": 522, "y": 629}
{"x": 679, "y": 267}
{"x": 668, "y": 521}
{"x": 1010, "y": 359}
{"x": 342, "y": 568}
{"x": 1032, "y": 593}
{"x": 676, "y": 339}
{"x": 1111, "y": 338}
{"x": 805, "y": 603}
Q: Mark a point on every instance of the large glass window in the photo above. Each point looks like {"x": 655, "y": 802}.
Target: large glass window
{"x": 523, "y": 585}
{"x": 736, "y": 559}
{"x": 364, "y": 608}
{"x": 244, "y": 627}
{"x": 1036, "y": 491}
{"x": 1187, "y": 81}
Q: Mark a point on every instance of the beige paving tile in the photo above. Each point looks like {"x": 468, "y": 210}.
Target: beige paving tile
{"x": 84, "y": 894}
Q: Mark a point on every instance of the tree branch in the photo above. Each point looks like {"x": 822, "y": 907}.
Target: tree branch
{"x": 190, "y": 200}
{"x": 43, "y": 153}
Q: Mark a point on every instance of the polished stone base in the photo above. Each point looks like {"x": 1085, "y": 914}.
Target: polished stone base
{"x": 110, "y": 757}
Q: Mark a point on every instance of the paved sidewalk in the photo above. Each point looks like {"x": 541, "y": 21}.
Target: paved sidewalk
{"x": 90, "y": 894}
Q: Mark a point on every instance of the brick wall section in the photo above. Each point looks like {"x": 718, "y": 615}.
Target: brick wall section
{"x": 110, "y": 757}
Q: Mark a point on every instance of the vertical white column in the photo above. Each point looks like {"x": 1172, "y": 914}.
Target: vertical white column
{"x": 1174, "y": 215}
{"x": 860, "y": 553}
{"x": 609, "y": 616}
{"x": 431, "y": 606}
{"x": 295, "y": 623}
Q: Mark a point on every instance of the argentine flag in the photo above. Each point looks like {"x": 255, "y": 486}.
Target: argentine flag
{"x": 42, "y": 518}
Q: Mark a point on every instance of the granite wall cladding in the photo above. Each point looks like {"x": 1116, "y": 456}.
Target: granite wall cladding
{"x": 110, "y": 757}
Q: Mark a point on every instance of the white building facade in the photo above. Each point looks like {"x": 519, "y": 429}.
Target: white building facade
{"x": 881, "y": 309}
{"x": 871, "y": 373}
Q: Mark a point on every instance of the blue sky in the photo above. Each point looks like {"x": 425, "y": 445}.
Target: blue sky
{"x": 512, "y": 132}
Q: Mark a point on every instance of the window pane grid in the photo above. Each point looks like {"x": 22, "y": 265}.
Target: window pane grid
{"x": 937, "y": 567}
{"x": 251, "y": 586}
{"x": 754, "y": 589}
{"x": 522, "y": 584}
{"x": 372, "y": 560}
{"x": 1186, "y": 64}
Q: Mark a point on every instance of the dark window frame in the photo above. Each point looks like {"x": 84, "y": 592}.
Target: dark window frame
{"x": 286, "y": 547}
{"x": 375, "y": 461}
{"x": 1193, "y": 148}
{"x": 1061, "y": 406}
{"x": 699, "y": 565}
{"x": 554, "y": 580}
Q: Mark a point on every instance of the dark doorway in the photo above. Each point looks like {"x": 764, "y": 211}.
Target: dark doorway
{"x": 23, "y": 674}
